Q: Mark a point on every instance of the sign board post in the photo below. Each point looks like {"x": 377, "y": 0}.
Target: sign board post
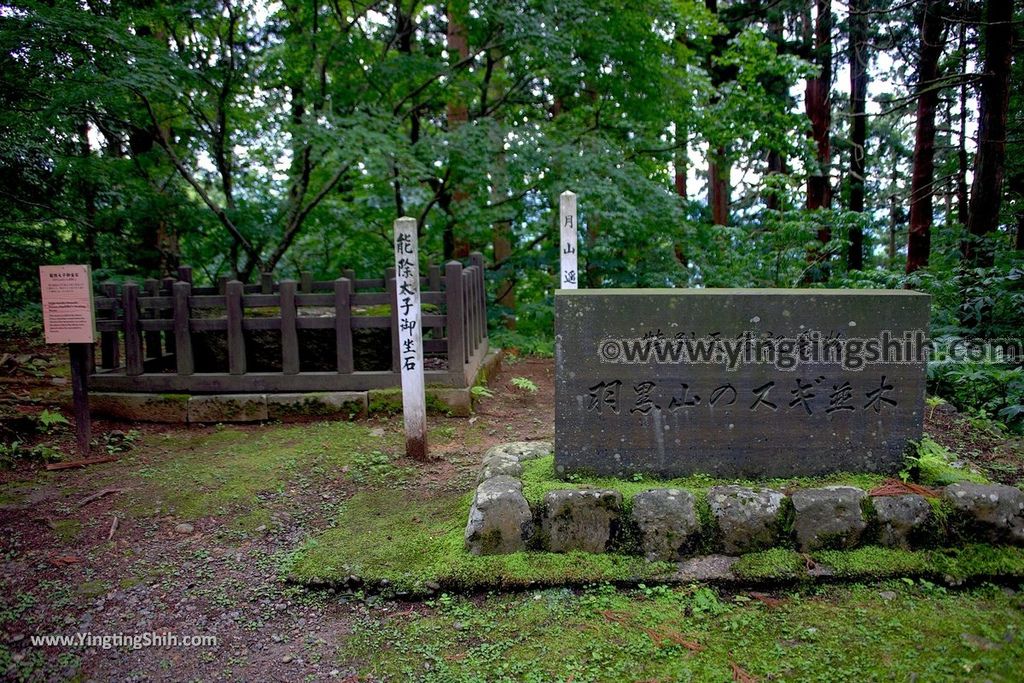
{"x": 69, "y": 318}
{"x": 567, "y": 248}
{"x": 410, "y": 336}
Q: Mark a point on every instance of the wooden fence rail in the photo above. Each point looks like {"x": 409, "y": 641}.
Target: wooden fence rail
{"x": 150, "y": 335}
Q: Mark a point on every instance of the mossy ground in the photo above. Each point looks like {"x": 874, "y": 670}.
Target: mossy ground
{"x": 404, "y": 545}
{"x": 385, "y": 538}
{"x": 899, "y": 630}
{"x": 238, "y": 473}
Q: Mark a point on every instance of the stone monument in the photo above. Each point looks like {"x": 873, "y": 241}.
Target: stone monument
{"x": 737, "y": 382}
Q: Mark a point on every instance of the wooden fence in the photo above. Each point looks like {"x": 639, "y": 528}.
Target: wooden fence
{"x": 155, "y": 337}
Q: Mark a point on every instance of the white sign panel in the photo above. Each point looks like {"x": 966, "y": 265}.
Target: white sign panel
{"x": 567, "y": 223}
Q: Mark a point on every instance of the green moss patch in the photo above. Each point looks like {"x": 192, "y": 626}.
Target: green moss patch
{"x": 391, "y": 541}
{"x": 696, "y": 633}
{"x": 67, "y": 530}
{"x": 389, "y": 402}
{"x": 970, "y": 563}
{"x": 242, "y": 472}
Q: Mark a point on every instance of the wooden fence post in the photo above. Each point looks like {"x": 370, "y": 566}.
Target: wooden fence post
{"x": 153, "y": 346}
{"x": 167, "y": 288}
{"x": 343, "y": 323}
{"x": 222, "y": 284}
{"x": 183, "y": 329}
{"x": 236, "y": 335}
{"x": 434, "y": 278}
{"x": 266, "y": 283}
{"x": 307, "y": 282}
{"x": 132, "y": 337}
{"x": 406, "y": 304}
{"x": 467, "y": 313}
{"x": 185, "y": 274}
{"x": 392, "y": 289}
{"x": 567, "y": 223}
{"x": 110, "y": 353}
{"x": 289, "y": 332}
{"x": 454, "y": 329}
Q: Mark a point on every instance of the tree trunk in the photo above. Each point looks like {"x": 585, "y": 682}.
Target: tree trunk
{"x": 989, "y": 169}
{"x": 718, "y": 187}
{"x": 458, "y": 114}
{"x": 858, "y": 125}
{"x": 88, "y": 190}
{"x": 922, "y": 176}
{"x": 680, "y": 161}
{"x": 502, "y": 227}
{"x": 776, "y": 166}
{"x": 961, "y": 156}
{"x": 819, "y": 111}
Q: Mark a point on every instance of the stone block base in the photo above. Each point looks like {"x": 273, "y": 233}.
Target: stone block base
{"x": 666, "y": 524}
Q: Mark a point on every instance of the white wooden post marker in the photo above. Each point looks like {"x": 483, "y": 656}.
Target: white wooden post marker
{"x": 567, "y": 221}
{"x": 410, "y": 336}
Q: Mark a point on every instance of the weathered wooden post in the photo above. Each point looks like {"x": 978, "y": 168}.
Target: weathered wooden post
{"x": 110, "y": 353}
{"x": 153, "y": 339}
{"x": 132, "y": 336}
{"x": 167, "y": 289}
{"x": 343, "y": 323}
{"x": 567, "y": 223}
{"x": 410, "y": 336}
{"x": 236, "y": 334}
{"x": 289, "y": 331}
{"x": 454, "y": 329}
{"x": 182, "y": 329}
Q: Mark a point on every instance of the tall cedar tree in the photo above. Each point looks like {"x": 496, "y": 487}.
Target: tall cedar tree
{"x": 819, "y": 110}
{"x": 989, "y": 167}
{"x": 858, "y": 124}
{"x": 933, "y": 29}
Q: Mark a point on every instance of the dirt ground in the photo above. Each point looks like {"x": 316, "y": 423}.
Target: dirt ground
{"x": 68, "y": 569}
{"x": 62, "y": 575}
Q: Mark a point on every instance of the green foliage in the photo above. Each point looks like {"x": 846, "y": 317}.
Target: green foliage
{"x": 524, "y": 384}
{"x": 51, "y": 420}
{"x": 481, "y": 391}
{"x": 21, "y": 319}
{"x": 13, "y": 453}
{"x": 539, "y": 343}
{"x": 933, "y": 464}
{"x": 988, "y": 390}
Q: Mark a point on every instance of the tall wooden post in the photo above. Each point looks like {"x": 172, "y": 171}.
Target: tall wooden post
{"x": 410, "y": 336}
{"x": 80, "y": 396}
{"x": 567, "y": 222}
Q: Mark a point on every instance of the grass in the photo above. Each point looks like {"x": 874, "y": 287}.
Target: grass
{"x": 839, "y": 633}
{"x": 231, "y": 471}
{"x": 970, "y": 563}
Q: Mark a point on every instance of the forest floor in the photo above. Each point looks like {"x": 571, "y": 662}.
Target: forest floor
{"x": 210, "y": 519}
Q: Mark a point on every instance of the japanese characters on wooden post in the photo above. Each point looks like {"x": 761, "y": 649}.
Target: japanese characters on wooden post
{"x": 738, "y": 383}
{"x": 567, "y": 249}
{"x": 410, "y": 336}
